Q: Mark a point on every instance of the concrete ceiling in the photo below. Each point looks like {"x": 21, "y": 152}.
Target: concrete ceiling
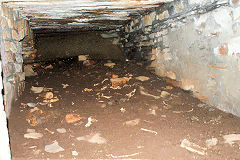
{"x": 81, "y": 14}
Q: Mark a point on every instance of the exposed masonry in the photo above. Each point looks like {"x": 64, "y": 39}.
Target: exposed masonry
{"x": 14, "y": 31}
{"x": 195, "y": 45}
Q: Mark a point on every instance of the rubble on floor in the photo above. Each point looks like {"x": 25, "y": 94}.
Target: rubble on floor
{"x": 100, "y": 110}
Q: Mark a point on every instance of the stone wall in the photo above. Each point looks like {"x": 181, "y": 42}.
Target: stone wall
{"x": 28, "y": 49}
{"x": 195, "y": 45}
{"x": 13, "y": 31}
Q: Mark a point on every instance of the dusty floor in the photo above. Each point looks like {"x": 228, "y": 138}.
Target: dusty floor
{"x": 178, "y": 116}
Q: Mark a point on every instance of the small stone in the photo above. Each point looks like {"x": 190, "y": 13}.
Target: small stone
{"x": 123, "y": 110}
{"x": 211, "y": 142}
{"x": 28, "y": 69}
{"x": 74, "y": 153}
{"x": 49, "y": 95}
{"x": 53, "y": 148}
{"x": 169, "y": 87}
{"x": 164, "y": 94}
{"x": 33, "y": 135}
{"x": 110, "y": 65}
{"x": 31, "y": 104}
{"x": 82, "y": 57}
{"x": 37, "y": 89}
{"x": 142, "y": 78}
{"x": 110, "y": 103}
{"x": 61, "y": 130}
{"x": 93, "y": 138}
{"x": 72, "y": 118}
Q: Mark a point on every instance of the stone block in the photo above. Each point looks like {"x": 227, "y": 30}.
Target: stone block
{"x": 13, "y": 47}
{"x": 179, "y": 7}
{"x": 4, "y": 11}
{"x": 21, "y": 25}
{"x": 8, "y": 57}
{"x": 21, "y": 76}
{"x": 148, "y": 19}
{"x": 135, "y": 21}
{"x": 163, "y": 15}
{"x": 10, "y": 22}
{"x": 8, "y": 70}
{"x": 7, "y": 46}
{"x": 6, "y": 35}
{"x": 19, "y": 58}
{"x": 16, "y": 78}
{"x": 154, "y": 51}
{"x": 18, "y": 67}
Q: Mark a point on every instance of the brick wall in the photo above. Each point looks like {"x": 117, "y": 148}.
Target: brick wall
{"x": 195, "y": 45}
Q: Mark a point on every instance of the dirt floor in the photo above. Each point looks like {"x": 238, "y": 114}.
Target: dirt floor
{"x": 165, "y": 126}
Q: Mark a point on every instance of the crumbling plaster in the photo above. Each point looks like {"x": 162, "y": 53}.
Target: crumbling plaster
{"x": 195, "y": 45}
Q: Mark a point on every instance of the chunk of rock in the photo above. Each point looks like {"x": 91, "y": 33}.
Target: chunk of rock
{"x": 142, "y": 78}
{"x": 72, "y": 118}
{"x": 110, "y": 65}
{"x": 28, "y": 69}
{"x": 82, "y": 57}
{"x": 31, "y": 105}
{"x": 53, "y": 148}
{"x": 61, "y": 130}
{"x": 74, "y": 153}
{"x": 33, "y": 135}
{"x": 37, "y": 89}
{"x": 119, "y": 81}
{"x": 48, "y": 95}
{"x": 164, "y": 94}
{"x": 93, "y": 138}
{"x": 211, "y": 142}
